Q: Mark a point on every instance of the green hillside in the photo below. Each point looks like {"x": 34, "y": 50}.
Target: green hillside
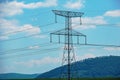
{"x": 108, "y": 66}
{"x": 75, "y": 79}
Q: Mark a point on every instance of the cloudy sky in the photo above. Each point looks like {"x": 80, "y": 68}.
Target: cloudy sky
{"x": 25, "y": 26}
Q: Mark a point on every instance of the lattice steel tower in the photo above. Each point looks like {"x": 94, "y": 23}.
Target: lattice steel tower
{"x": 68, "y": 54}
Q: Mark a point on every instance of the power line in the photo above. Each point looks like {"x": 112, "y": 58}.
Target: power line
{"x": 104, "y": 45}
{"x": 87, "y": 24}
{"x": 24, "y": 48}
{"x": 99, "y": 45}
{"x": 26, "y": 29}
{"x": 110, "y": 25}
{"x": 28, "y": 35}
{"x": 41, "y": 33}
{"x": 20, "y": 37}
{"x": 32, "y": 53}
{"x": 68, "y": 33}
{"x": 25, "y": 36}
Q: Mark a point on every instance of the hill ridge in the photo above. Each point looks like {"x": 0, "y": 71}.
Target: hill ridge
{"x": 105, "y": 66}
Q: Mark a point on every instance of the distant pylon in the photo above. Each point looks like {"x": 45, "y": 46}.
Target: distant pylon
{"x": 68, "y": 54}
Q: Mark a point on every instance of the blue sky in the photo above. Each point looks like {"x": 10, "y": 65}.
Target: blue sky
{"x": 25, "y": 26}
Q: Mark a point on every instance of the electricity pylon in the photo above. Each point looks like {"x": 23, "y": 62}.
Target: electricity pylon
{"x": 68, "y": 32}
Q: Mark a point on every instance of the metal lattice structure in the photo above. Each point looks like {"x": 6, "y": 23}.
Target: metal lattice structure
{"x": 68, "y": 54}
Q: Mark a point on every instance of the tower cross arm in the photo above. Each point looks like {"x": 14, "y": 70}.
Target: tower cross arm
{"x": 67, "y": 13}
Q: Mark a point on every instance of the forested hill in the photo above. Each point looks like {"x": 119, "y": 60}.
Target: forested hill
{"x": 14, "y": 76}
{"x": 107, "y": 66}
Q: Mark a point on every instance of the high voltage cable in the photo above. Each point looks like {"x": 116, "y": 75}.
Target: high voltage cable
{"x": 61, "y": 23}
{"x": 26, "y": 29}
{"x": 83, "y": 24}
{"x": 68, "y": 34}
{"x": 43, "y": 49}
{"x": 20, "y": 50}
{"x": 101, "y": 45}
{"x": 26, "y": 55}
{"x": 117, "y": 25}
{"x": 23, "y": 49}
{"x": 31, "y": 53}
{"x": 27, "y": 48}
{"x": 25, "y": 36}
{"x": 19, "y": 37}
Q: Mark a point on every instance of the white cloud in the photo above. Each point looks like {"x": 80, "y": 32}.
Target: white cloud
{"x": 74, "y": 4}
{"x": 31, "y": 29}
{"x": 40, "y": 36}
{"x": 15, "y": 7}
{"x": 6, "y": 69}
{"x": 6, "y": 27}
{"x": 83, "y": 27}
{"x": 11, "y": 8}
{"x": 112, "y": 48}
{"x": 4, "y": 37}
{"x": 113, "y": 13}
{"x": 88, "y": 22}
{"x": 94, "y": 20}
{"x": 34, "y": 47}
{"x": 85, "y": 56}
{"x": 11, "y": 27}
{"x": 43, "y": 61}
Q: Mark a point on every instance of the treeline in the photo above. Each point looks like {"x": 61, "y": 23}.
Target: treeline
{"x": 108, "y": 66}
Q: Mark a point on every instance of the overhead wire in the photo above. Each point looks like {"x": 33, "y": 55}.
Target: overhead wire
{"x": 110, "y": 25}
{"x": 104, "y": 45}
{"x": 26, "y": 29}
{"x": 25, "y": 36}
{"x": 80, "y": 44}
{"x": 45, "y": 32}
{"x": 23, "y": 48}
{"x": 86, "y": 44}
{"x": 59, "y": 23}
{"x": 83, "y": 24}
{"x": 31, "y": 53}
